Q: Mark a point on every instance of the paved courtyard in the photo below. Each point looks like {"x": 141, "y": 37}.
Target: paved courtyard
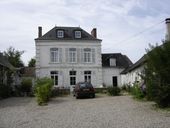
{"x": 67, "y": 112}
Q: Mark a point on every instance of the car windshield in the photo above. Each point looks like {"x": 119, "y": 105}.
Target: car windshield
{"x": 83, "y": 85}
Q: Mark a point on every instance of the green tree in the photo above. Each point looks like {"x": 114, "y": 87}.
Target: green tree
{"x": 157, "y": 74}
{"x": 14, "y": 57}
{"x": 31, "y": 63}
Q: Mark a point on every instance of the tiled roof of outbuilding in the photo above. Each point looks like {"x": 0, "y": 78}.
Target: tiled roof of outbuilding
{"x": 122, "y": 61}
{"x": 140, "y": 62}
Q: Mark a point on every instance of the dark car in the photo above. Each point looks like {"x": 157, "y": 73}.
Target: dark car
{"x": 84, "y": 89}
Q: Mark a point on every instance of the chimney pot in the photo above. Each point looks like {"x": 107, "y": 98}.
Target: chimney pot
{"x": 94, "y": 32}
{"x": 39, "y": 31}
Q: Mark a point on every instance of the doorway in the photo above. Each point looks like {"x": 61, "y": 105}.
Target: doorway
{"x": 114, "y": 81}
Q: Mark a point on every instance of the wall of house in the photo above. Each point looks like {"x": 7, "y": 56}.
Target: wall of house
{"x": 108, "y": 73}
{"x": 64, "y": 77}
{"x": 44, "y": 66}
{"x": 132, "y": 76}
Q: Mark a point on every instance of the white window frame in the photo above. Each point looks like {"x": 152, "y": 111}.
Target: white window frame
{"x": 60, "y": 33}
{"x": 87, "y": 55}
{"x": 54, "y": 55}
{"x": 87, "y": 76}
{"x": 54, "y": 76}
{"x": 72, "y": 55}
{"x": 72, "y": 76}
{"x": 77, "y": 34}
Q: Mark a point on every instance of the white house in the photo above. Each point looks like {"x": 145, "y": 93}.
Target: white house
{"x": 133, "y": 73}
{"x": 112, "y": 65}
{"x": 69, "y": 55}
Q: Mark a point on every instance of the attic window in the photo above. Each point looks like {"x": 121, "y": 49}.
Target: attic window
{"x": 60, "y": 33}
{"x": 77, "y": 34}
{"x": 112, "y": 62}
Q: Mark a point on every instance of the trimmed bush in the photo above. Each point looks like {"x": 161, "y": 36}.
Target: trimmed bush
{"x": 43, "y": 90}
{"x": 113, "y": 91}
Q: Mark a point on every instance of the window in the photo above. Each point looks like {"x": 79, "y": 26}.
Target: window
{"x": 77, "y": 34}
{"x": 72, "y": 55}
{"x": 112, "y": 62}
{"x": 54, "y": 76}
{"x": 87, "y": 76}
{"x": 87, "y": 55}
{"x": 54, "y": 55}
{"x": 60, "y": 33}
{"x": 72, "y": 77}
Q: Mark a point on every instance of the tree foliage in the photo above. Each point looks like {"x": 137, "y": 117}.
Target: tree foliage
{"x": 31, "y": 63}
{"x": 157, "y": 74}
{"x": 14, "y": 56}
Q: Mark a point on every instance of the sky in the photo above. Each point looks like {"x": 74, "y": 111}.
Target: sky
{"x": 125, "y": 26}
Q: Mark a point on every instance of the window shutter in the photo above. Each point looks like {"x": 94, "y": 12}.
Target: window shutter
{"x": 93, "y": 55}
{"x": 60, "y": 55}
{"x": 50, "y": 56}
{"x": 67, "y": 55}
{"x": 78, "y": 55}
{"x": 82, "y": 56}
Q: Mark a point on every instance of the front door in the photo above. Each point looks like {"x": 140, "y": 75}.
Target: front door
{"x": 114, "y": 81}
{"x": 72, "y": 80}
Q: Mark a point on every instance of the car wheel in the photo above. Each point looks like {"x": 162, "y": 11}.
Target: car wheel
{"x": 93, "y": 95}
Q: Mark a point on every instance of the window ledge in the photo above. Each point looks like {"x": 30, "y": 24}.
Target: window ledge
{"x": 54, "y": 63}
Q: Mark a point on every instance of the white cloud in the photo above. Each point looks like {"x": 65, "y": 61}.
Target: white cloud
{"x": 115, "y": 21}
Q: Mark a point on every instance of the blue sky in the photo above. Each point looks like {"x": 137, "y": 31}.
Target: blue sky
{"x": 117, "y": 21}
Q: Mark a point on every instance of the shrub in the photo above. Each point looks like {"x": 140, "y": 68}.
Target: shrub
{"x": 113, "y": 91}
{"x": 126, "y": 87}
{"x": 163, "y": 96}
{"x": 43, "y": 89}
{"x": 5, "y": 91}
{"x": 100, "y": 90}
{"x": 137, "y": 92}
{"x": 26, "y": 85}
{"x": 157, "y": 74}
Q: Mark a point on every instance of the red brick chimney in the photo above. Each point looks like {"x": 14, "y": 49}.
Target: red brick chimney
{"x": 39, "y": 31}
{"x": 94, "y": 32}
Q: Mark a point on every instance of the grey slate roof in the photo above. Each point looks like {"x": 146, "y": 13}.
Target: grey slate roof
{"x": 4, "y": 62}
{"x": 122, "y": 61}
{"x": 140, "y": 62}
{"x": 68, "y": 34}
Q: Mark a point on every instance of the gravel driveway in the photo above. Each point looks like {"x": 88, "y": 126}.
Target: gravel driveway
{"x": 67, "y": 112}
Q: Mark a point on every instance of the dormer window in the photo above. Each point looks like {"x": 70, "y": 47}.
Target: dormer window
{"x": 77, "y": 34}
{"x": 60, "y": 33}
{"x": 112, "y": 62}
